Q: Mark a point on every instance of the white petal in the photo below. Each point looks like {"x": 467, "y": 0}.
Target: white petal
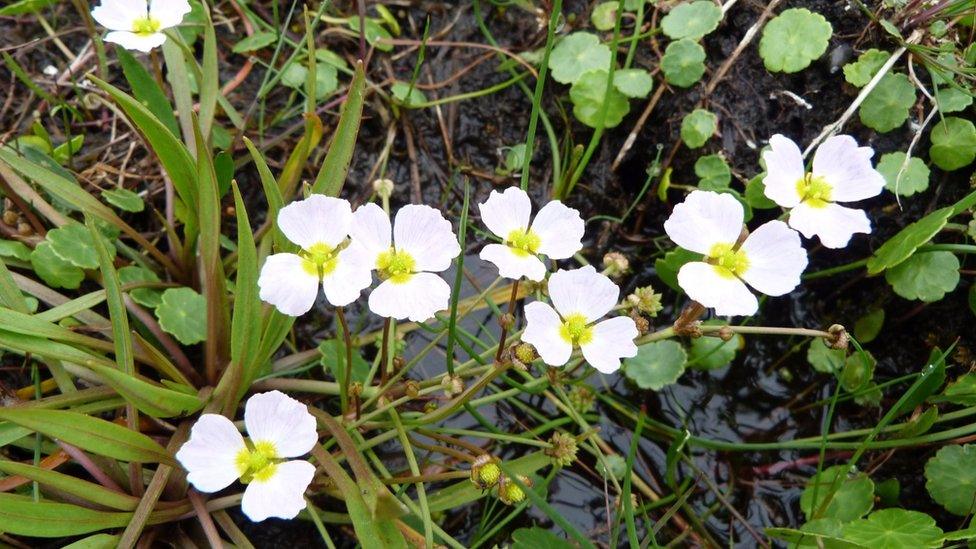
{"x": 371, "y": 231}
{"x": 784, "y": 169}
{"x": 560, "y": 229}
{"x": 352, "y": 274}
{"x": 423, "y": 232}
{"x": 281, "y": 496}
{"x": 726, "y": 294}
{"x": 507, "y": 211}
{"x": 417, "y": 299}
{"x": 281, "y": 420}
{"x": 210, "y": 455}
{"x": 138, "y": 42}
{"x": 847, "y": 169}
{"x": 512, "y": 263}
{"x": 286, "y": 285}
{"x": 833, "y": 223}
{"x": 317, "y": 219}
{"x": 542, "y": 326}
{"x": 119, "y": 14}
{"x": 613, "y": 339}
{"x": 583, "y": 291}
{"x": 776, "y": 259}
{"x": 705, "y": 219}
{"x": 169, "y": 13}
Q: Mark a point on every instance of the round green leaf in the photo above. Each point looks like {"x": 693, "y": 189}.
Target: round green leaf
{"x": 667, "y": 267}
{"x": 901, "y": 246}
{"x": 683, "y": 62}
{"x": 14, "y": 249}
{"x": 124, "y": 199}
{"x": 858, "y": 371}
{"x": 962, "y": 391}
{"x": 604, "y": 16}
{"x": 887, "y": 106}
{"x": 373, "y": 31}
{"x": 823, "y": 358}
{"x": 793, "y": 39}
{"x": 147, "y": 297}
{"x": 755, "y": 194}
{"x": 925, "y": 276}
{"x": 852, "y": 498}
{"x": 73, "y": 243}
{"x": 576, "y": 54}
{"x": 860, "y": 72}
{"x": 656, "y": 365}
{"x": 710, "y": 353}
{"x": 183, "y": 313}
{"x": 588, "y": 93}
{"x": 951, "y": 478}
{"x": 869, "y": 326}
{"x": 697, "y": 127}
{"x": 903, "y": 177}
{"x": 953, "y": 143}
{"x": 294, "y": 76}
{"x": 405, "y": 96}
{"x": 53, "y": 270}
{"x": 634, "y": 83}
{"x": 895, "y": 529}
{"x": 691, "y": 20}
{"x": 714, "y": 174}
{"x": 953, "y": 100}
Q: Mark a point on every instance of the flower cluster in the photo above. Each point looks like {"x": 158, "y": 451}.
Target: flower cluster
{"x": 771, "y": 258}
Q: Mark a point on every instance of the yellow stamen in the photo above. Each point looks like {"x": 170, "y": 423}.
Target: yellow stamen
{"x": 145, "y": 26}
{"x": 396, "y": 266}
{"x": 575, "y": 331}
{"x": 523, "y": 242}
{"x": 319, "y": 259}
{"x": 728, "y": 261}
{"x": 259, "y": 463}
{"x": 814, "y": 191}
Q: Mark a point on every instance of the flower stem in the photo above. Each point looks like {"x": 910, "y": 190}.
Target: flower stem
{"x": 384, "y": 352}
{"x": 507, "y": 323}
{"x": 347, "y": 375}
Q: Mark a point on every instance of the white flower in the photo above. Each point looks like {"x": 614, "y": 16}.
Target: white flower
{"x": 279, "y": 427}
{"x": 842, "y": 172}
{"x": 422, "y": 243}
{"x": 319, "y": 225}
{"x": 556, "y": 232}
{"x": 581, "y": 297}
{"x": 136, "y": 24}
{"x": 771, "y": 259}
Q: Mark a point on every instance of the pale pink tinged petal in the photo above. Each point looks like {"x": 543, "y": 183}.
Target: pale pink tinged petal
{"x": 542, "y": 326}
{"x": 847, "y": 169}
{"x": 120, "y": 15}
{"x": 422, "y": 232}
{"x": 210, "y": 455}
{"x": 507, "y": 211}
{"x": 612, "y": 340}
{"x": 281, "y": 496}
{"x": 776, "y": 259}
{"x": 560, "y": 230}
{"x": 784, "y": 169}
{"x": 316, "y": 219}
{"x": 137, "y": 42}
{"x": 833, "y": 223}
{"x": 418, "y": 299}
{"x": 169, "y": 13}
{"x": 285, "y": 284}
{"x": 281, "y": 420}
{"x": 371, "y": 231}
{"x": 705, "y": 219}
{"x": 583, "y": 291}
{"x": 726, "y": 294}
{"x": 353, "y": 273}
{"x": 513, "y": 263}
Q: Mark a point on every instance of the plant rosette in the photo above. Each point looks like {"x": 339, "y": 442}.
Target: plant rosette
{"x": 279, "y": 427}
{"x": 556, "y": 233}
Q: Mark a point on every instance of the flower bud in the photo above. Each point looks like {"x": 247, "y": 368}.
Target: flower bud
{"x": 615, "y": 264}
{"x": 411, "y": 388}
{"x": 643, "y": 325}
{"x": 506, "y": 321}
{"x": 646, "y": 301}
{"x": 838, "y": 338}
{"x": 581, "y": 397}
{"x": 562, "y": 453}
{"x": 726, "y": 333}
{"x": 383, "y": 188}
{"x": 452, "y": 385}
{"x": 485, "y": 472}
{"x": 510, "y": 493}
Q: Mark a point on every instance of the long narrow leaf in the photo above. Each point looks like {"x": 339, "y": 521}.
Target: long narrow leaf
{"x": 89, "y": 491}
{"x": 146, "y": 90}
{"x": 24, "y": 517}
{"x": 335, "y": 167}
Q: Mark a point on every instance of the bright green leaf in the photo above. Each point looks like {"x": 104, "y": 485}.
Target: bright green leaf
{"x": 895, "y": 529}
{"x": 869, "y": 326}
{"x": 23, "y": 516}
{"x": 755, "y": 194}
{"x": 255, "y": 42}
{"x": 858, "y": 371}
{"x": 374, "y": 33}
{"x": 886, "y": 107}
{"x": 823, "y": 358}
{"x": 657, "y": 364}
{"x": 711, "y": 353}
{"x": 793, "y": 39}
{"x": 925, "y": 276}
{"x": 147, "y": 297}
{"x": 953, "y": 143}
{"x": 901, "y": 246}
{"x": 852, "y": 498}
{"x": 714, "y": 174}
{"x": 962, "y": 391}
{"x": 588, "y": 93}
{"x": 182, "y": 312}
{"x": 576, "y": 54}
{"x": 860, "y": 72}
{"x": 953, "y": 100}
{"x": 634, "y": 83}
{"x": 53, "y": 270}
{"x": 903, "y": 177}
{"x": 697, "y": 127}
{"x": 334, "y": 360}
{"x": 406, "y": 96}
{"x": 691, "y": 20}
{"x": 604, "y": 15}
{"x": 536, "y": 537}
{"x": 14, "y": 249}
{"x": 73, "y": 243}
{"x": 124, "y": 199}
{"x": 683, "y": 62}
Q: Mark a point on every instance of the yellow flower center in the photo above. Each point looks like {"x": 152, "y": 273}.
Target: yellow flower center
{"x": 575, "y": 331}
{"x": 396, "y": 266}
{"x": 523, "y": 242}
{"x": 259, "y": 463}
{"x": 815, "y": 191}
{"x": 145, "y": 26}
{"x": 727, "y": 261}
{"x": 319, "y": 259}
